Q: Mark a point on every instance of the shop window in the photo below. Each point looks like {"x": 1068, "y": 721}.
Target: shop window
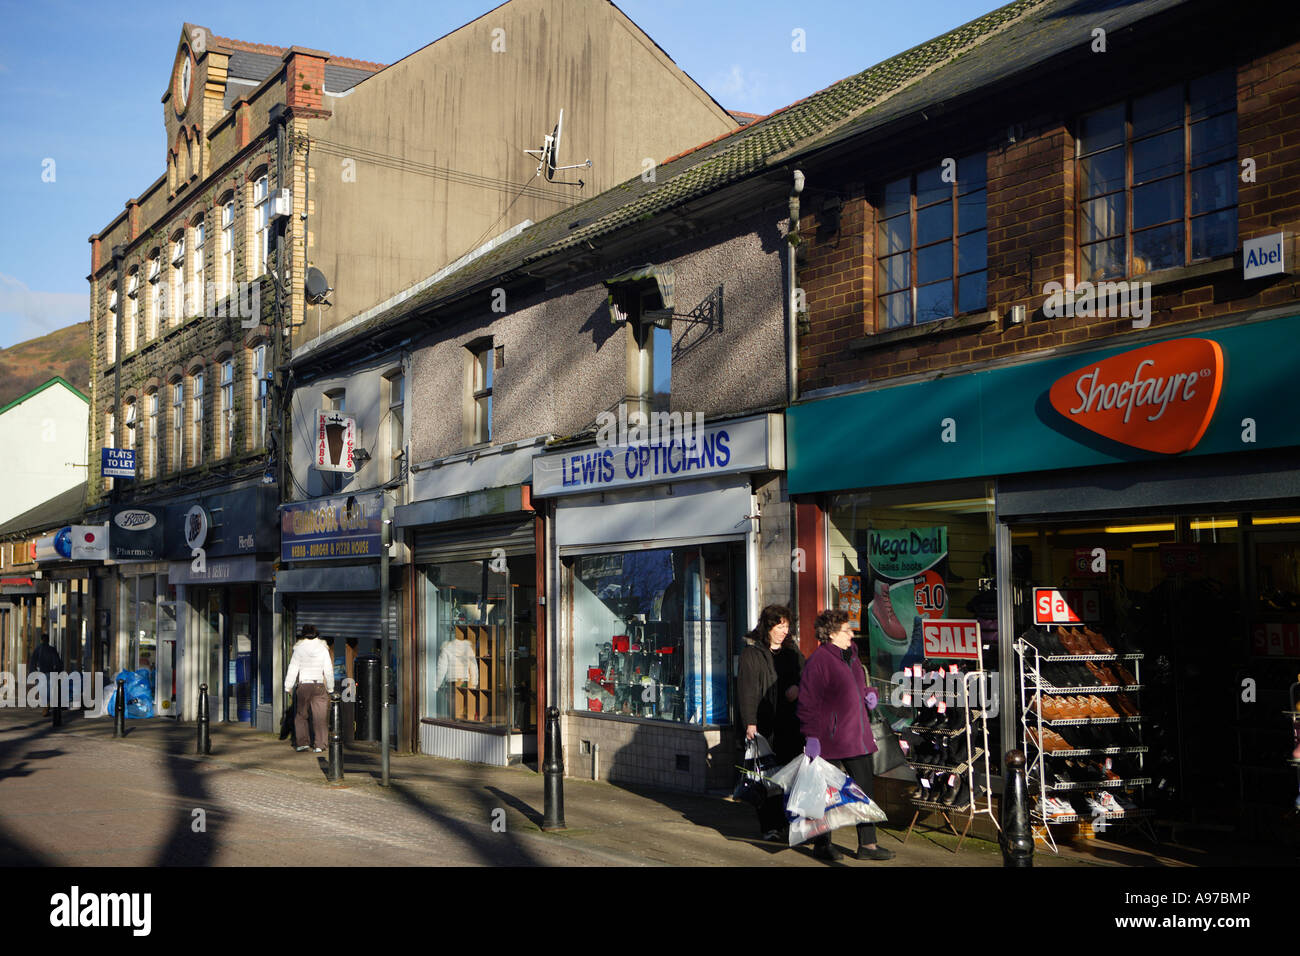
{"x": 480, "y": 653}
{"x": 1157, "y": 179}
{"x": 899, "y": 557}
{"x": 932, "y": 244}
{"x": 653, "y": 631}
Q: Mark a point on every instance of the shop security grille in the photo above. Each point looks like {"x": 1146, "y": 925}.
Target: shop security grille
{"x": 352, "y": 616}
{"x": 514, "y": 536}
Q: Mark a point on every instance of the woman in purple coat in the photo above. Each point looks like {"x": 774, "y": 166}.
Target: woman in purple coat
{"x": 833, "y": 704}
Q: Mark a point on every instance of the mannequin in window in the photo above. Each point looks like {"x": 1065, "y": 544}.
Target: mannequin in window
{"x": 457, "y": 662}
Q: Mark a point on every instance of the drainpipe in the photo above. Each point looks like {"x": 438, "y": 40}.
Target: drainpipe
{"x": 791, "y": 315}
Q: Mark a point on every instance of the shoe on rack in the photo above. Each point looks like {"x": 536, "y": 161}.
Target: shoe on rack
{"x": 318, "y": 750}
{"x": 958, "y": 751}
{"x": 1126, "y": 676}
{"x": 874, "y": 853}
{"x": 302, "y": 749}
{"x": 951, "y": 787}
{"x": 1097, "y": 641}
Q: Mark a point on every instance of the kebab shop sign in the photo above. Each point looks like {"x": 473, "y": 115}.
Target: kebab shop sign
{"x": 1159, "y": 398}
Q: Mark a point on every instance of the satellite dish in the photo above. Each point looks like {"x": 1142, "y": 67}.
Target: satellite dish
{"x": 548, "y": 157}
{"x": 317, "y": 285}
{"x": 553, "y": 148}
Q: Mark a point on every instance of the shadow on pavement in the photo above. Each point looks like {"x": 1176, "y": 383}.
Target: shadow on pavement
{"x": 494, "y": 848}
{"x": 13, "y": 763}
{"x": 182, "y": 845}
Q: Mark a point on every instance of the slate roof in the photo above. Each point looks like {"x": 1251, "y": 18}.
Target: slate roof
{"x": 989, "y": 49}
{"x": 62, "y": 509}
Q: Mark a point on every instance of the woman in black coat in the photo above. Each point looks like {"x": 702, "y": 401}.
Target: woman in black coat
{"x": 768, "y": 687}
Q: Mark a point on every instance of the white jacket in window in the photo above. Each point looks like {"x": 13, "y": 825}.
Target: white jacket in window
{"x": 457, "y": 662}
{"x": 311, "y": 663}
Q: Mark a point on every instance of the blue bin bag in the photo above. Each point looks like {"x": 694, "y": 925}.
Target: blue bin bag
{"x": 138, "y": 690}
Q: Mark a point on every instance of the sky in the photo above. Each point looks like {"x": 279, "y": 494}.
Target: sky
{"x": 80, "y": 87}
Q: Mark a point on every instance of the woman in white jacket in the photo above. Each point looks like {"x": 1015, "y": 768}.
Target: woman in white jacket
{"x": 312, "y": 669}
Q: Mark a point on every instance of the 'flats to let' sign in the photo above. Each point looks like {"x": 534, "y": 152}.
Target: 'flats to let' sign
{"x": 1159, "y": 398}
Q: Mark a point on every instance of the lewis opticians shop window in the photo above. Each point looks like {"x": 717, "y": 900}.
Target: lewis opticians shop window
{"x": 654, "y": 631}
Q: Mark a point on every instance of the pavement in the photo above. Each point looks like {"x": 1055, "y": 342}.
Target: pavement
{"x": 74, "y": 796}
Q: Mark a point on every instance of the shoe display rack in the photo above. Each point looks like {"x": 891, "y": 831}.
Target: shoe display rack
{"x": 1081, "y": 731}
{"x": 946, "y": 743}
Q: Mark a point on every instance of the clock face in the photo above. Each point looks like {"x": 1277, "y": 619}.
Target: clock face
{"x": 185, "y": 81}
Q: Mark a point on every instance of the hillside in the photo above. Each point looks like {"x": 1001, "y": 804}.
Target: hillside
{"x": 28, "y": 364}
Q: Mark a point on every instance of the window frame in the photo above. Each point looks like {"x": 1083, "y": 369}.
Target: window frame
{"x": 395, "y": 401}
{"x": 150, "y": 445}
{"x": 261, "y": 392}
{"x": 914, "y": 250}
{"x": 262, "y": 223}
{"x": 197, "y": 386}
{"x": 482, "y": 379}
{"x": 130, "y": 326}
{"x": 226, "y": 274}
{"x": 200, "y": 266}
{"x": 177, "y": 297}
{"x": 226, "y": 411}
{"x": 178, "y": 424}
{"x": 1133, "y": 265}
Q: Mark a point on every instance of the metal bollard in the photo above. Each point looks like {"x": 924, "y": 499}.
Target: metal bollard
{"x": 1017, "y": 838}
{"x": 119, "y": 717}
{"x": 336, "y": 739}
{"x": 553, "y": 769}
{"x": 205, "y": 738}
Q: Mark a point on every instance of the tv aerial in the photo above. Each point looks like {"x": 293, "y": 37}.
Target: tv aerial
{"x": 548, "y": 156}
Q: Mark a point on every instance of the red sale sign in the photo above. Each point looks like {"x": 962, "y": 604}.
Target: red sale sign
{"x": 1069, "y": 607}
{"x": 958, "y": 640}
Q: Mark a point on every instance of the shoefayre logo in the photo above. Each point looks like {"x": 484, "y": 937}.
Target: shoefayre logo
{"x": 77, "y": 909}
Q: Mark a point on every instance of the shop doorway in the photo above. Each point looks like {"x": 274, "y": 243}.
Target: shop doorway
{"x": 1201, "y": 610}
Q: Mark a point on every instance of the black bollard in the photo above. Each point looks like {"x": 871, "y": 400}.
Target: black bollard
{"x": 205, "y": 739}
{"x": 1017, "y": 836}
{"x": 553, "y": 769}
{"x": 336, "y": 739}
{"x": 119, "y": 716}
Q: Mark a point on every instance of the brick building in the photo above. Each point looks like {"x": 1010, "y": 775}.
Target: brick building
{"x": 1039, "y": 351}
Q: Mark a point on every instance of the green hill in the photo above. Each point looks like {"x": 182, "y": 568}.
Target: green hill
{"x": 28, "y": 364}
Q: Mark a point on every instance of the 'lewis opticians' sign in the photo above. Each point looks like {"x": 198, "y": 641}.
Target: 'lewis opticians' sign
{"x": 1159, "y": 398}
{"x": 669, "y": 455}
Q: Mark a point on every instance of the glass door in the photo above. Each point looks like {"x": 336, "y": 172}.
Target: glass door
{"x": 468, "y": 644}
{"x": 210, "y": 614}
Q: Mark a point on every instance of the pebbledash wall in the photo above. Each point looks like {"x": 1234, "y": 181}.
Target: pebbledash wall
{"x": 563, "y": 362}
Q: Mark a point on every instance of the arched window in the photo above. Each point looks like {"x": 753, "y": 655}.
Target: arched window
{"x": 132, "y": 322}
{"x": 226, "y": 272}
{"x": 153, "y": 311}
{"x": 110, "y": 326}
{"x": 200, "y": 297}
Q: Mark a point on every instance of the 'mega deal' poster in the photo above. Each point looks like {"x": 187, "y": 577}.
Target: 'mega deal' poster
{"x": 906, "y": 587}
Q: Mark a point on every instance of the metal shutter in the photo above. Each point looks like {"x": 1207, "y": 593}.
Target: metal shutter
{"x": 475, "y": 541}
{"x": 354, "y": 615}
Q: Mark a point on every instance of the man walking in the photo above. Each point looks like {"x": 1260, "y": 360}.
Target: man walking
{"x": 312, "y": 669}
{"x": 46, "y": 660}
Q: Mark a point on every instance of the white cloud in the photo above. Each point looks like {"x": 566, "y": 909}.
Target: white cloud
{"x": 738, "y": 88}
{"x": 26, "y": 313}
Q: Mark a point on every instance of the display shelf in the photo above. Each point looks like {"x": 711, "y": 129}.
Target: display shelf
{"x": 1042, "y": 685}
{"x": 1100, "y": 784}
{"x": 1077, "y": 818}
{"x": 938, "y": 731}
{"x": 935, "y": 767}
{"x": 1084, "y": 721}
{"x": 1096, "y": 751}
{"x": 938, "y": 805}
{"x": 1079, "y": 658}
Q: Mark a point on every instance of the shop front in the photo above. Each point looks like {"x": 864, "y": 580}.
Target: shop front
{"x": 655, "y": 581}
{"x": 330, "y": 550}
{"x": 477, "y": 633}
{"x": 193, "y": 580}
{"x": 1124, "y": 526}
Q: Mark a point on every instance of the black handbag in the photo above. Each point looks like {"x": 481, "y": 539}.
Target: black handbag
{"x": 754, "y": 785}
{"x": 286, "y": 722}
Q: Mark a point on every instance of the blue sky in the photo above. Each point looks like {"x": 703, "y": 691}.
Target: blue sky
{"x": 80, "y": 85}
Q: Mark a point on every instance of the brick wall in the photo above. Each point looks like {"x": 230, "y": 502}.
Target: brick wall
{"x": 1031, "y": 228}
